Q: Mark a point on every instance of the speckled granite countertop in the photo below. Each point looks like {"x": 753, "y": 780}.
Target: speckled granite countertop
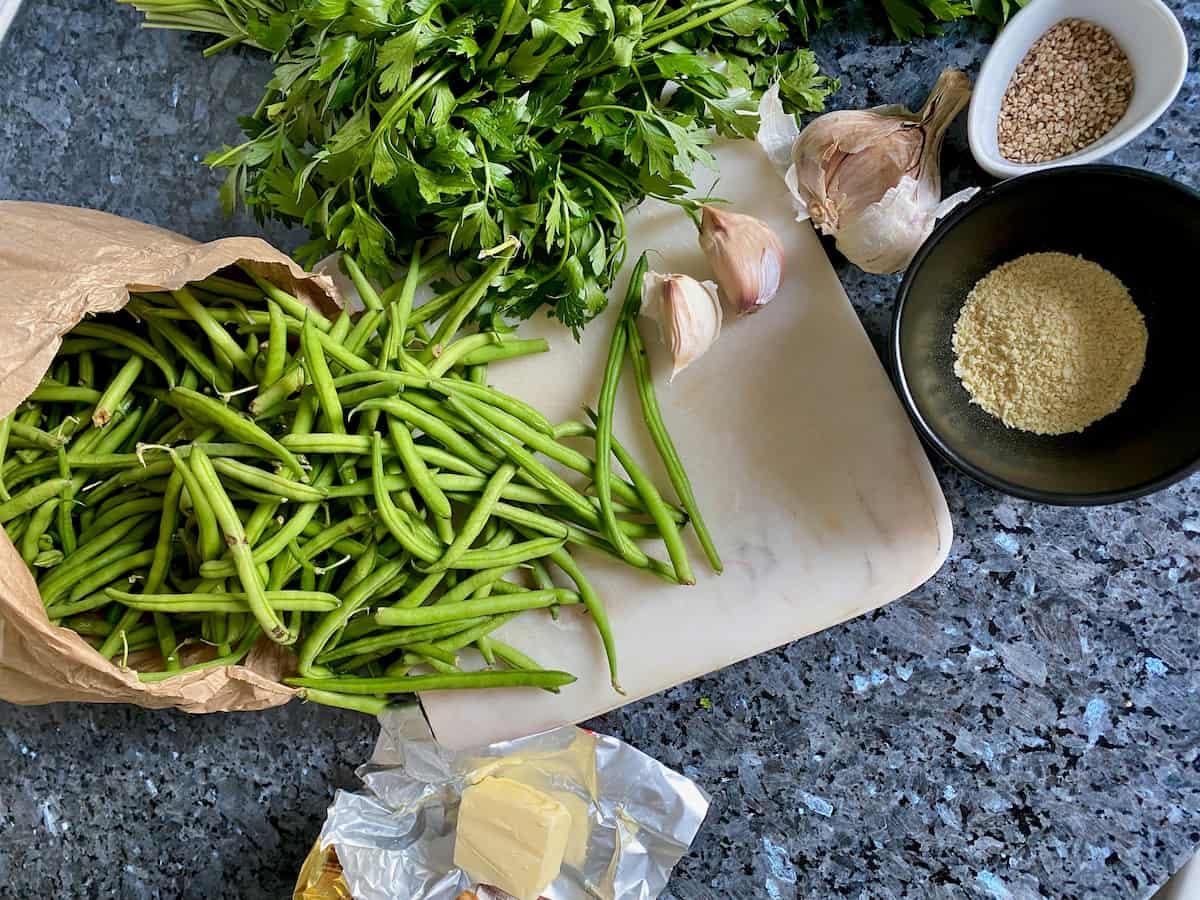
{"x": 1025, "y": 725}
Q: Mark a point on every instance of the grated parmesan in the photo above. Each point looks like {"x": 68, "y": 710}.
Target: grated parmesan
{"x": 1049, "y": 343}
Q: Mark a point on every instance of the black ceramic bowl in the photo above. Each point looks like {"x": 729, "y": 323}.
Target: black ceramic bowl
{"x": 1143, "y": 228}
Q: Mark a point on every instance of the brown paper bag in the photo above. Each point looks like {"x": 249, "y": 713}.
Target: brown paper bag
{"x": 57, "y": 264}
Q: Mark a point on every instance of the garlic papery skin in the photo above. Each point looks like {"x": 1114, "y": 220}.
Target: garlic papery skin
{"x": 746, "y": 258}
{"x": 871, "y": 178}
{"x": 688, "y": 313}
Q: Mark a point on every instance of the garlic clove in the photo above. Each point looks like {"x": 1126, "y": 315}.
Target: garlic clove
{"x": 688, "y": 314}
{"x": 871, "y": 178}
{"x": 745, "y": 255}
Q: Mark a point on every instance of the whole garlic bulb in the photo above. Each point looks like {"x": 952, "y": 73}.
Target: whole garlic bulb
{"x": 688, "y": 314}
{"x": 745, "y": 255}
{"x": 871, "y": 178}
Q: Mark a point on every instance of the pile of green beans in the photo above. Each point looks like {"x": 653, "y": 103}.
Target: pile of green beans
{"x": 221, "y": 464}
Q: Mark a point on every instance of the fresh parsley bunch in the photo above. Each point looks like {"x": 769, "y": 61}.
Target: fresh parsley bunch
{"x": 392, "y": 121}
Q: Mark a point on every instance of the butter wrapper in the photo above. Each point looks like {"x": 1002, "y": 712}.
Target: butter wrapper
{"x": 632, "y": 817}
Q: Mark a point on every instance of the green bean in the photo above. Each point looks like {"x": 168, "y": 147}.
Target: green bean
{"x": 121, "y": 636}
{"x": 222, "y": 342}
{"x": 119, "y": 513}
{"x": 232, "y": 602}
{"x": 271, "y": 548}
{"x": 596, "y": 609}
{"x": 230, "y": 287}
{"x": 122, "y": 538}
{"x": 131, "y": 341}
{"x": 169, "y": 504}
{"x": 391, "y": 484}
{"x": 401, "y": 309}
{"x": 535, "y": 521}
{"x": 523, "y": 458}
{"x": 89, "y": 603}
{"x": 269, "y": 482}
{"x": 421, "y": 592}
{"x": 464, "y": 306}
{"x": 431, "y": 653}
{"x": 360, "y": 445}
{"x": 288, "y": 383}
{"x": 437, "y": 682}
{"x": 658, "y": 512}
{"x": 393, "y": 337}
{"x": 48, "y": 558}
{"x": 603, "y": 476}
{"x": 453, "y": 354}
{"x": 477, "y": 518}
{"x": 284, "y": 567}
{"x": 235, "y": 537}
{"x": 319, "y": 376}
{"x": 435, "y": 307}
{"x": 71, "y": 346}
{"x": 116, "y": 391}
{"x": 506, "y": 350}
{"x": 88, "y": 625}
{"x": 475, "y": 633}
{"x": 34, "y": 437}
{"x": 415, "y": 468}
{"x": 433, "y": 427}
{"x": 666, "y": 447}
{"x": 511, "y": 555}
{"x": 38, "y": 523}
{"x": 397, "y": 638}
{"x": 465, "y": 588}
{"x": 211, "y": 541}
{"x": 401, "y": 526}
{"x": 168, "y": 646}
{"x": 276, "y": 344}
{"x": 61, "y": 393}
{"x": 477, "y": 375}
{"x": 243, "y": 648}
{"x": 364, "y": 329}
{"x": 514, "y": 657}
{"x": 366, "y": 290}
{"x": 291, "y": 306}
{"x": 192, "y": 354}
{"x": 467, "y": 609}
{"x": 372, "y": 706}
{"x": 434, "y": 405}
{"x": 87, "y": 369}
{"x": 330, "y": 623}
{"x": 511, "y": 405}
{"x": 31, "y": 498}
{"x": 259, "y": 519}
{"x": 560, "y": 453}
{"x": 109, "y": 573}
{"x": 212, "y": 412}
{"x": 324, "y": 442}
{"x": 66, "y": 522}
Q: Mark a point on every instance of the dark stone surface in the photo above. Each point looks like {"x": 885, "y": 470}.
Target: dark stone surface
{"x": 1024, "y": 725}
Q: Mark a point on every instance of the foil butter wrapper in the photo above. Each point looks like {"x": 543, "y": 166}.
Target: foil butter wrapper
{"x": 632, "y": 817}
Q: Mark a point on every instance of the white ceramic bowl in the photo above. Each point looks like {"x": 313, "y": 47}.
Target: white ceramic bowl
{"x": 1146, "y": 30}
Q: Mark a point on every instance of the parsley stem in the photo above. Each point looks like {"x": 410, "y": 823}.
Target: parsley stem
{"x": 412, "y": 93}
{"x": 501, "y": 28}
{"x": 652, "y": 22}
{"x": 694, "y": 23}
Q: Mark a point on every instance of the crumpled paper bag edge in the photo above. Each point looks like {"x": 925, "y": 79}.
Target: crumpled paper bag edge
{"x": 58, "y": 264}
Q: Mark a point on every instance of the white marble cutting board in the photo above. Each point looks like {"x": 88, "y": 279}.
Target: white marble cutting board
{"x": 817, "y": 491}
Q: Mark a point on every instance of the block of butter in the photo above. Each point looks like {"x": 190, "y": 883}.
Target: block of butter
{"x": 511, "y": 836}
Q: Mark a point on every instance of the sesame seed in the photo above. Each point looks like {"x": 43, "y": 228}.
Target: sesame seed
{"x": 1073, "y": 86}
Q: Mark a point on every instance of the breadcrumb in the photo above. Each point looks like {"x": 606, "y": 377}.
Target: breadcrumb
{"x": 1049, "y": 343}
